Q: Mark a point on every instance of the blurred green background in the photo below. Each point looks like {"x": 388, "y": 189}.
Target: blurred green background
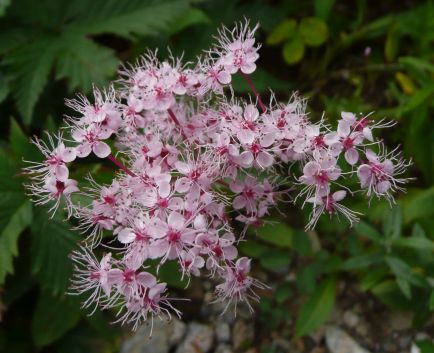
{"x": 358, "y": 56}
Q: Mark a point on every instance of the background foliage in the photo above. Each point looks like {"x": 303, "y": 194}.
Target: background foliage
{"x": 364, "y": 57}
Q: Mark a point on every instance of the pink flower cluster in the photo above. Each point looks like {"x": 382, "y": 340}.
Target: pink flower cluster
{"x": 191, "y": 163}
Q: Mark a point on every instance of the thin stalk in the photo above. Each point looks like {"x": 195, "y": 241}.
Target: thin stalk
{"x": 120, "y": 165}
{"x": 255, "y": 92}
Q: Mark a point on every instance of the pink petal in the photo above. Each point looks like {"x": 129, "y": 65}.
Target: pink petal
{"x": 352, "y": 156}
{"x": 101, "y": 149}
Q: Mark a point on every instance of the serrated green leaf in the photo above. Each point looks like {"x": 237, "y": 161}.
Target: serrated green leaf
{"x": 317, "y": 309}
{"x": 128, "y": 18}
{"x": 293, "y": 50}
{"x": 30, "y": 66}
{"x": 314, "y": 31}
{"x": 52, "y": 242}
{"x": 284, "y": 30}
{"x": 279, "y": 234}
{"x": 84, "y": 63}
{"x": 53, "y": 317}
{"x": 15, "y": 213}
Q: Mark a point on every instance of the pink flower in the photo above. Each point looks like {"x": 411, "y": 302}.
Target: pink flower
{"x": 236, "y": 49}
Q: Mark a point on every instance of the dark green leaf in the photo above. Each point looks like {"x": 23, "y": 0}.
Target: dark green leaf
{"x": 274, "y": 260}
{"x": 85, "y": 63}
{"x": 53, "y": 317}
{"x": 191, "y": 18}
{"x": 283, "y": 292}
{"x": 323, "y": 8}
{"x": 415, "y": 242}
{"x": 15, "y": 213}
{"x": 314, "y": 31}
{"x": 126, "y": 18}
{"x": 30, "y": 67}
{"x": 317, "y": 309}
{"x": 52, "y": 242}
{"x": 425, "y": 346}
{"x": 431, "y": 301}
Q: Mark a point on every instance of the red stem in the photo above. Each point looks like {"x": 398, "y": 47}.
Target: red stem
{"x": 255, "y": 92}
{"x": 121, "y": 165}
{"x": 176, "y": 121}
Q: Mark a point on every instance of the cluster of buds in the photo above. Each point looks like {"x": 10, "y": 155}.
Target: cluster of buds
{"x": 192, "y": 162}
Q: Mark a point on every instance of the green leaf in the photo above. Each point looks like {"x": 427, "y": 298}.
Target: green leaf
{"x": 274, "y": 260}
{"x": 425, "y": 346}
{"x": 191, "y": 18}
{"x": 362, "y": 261}
{"x": 317, "y": 309}
{"x": 128, "y": 18}
{"x": 314, "y": 31}
{"x": 84, "y": 63}
{"x": 302, "y": 243}
{"x": 52, "y": 242}
{"x": 323, "y": 8}
{"x": 284, "y": 30}
{"x": 418, "y": 204}
{"x": 15, "y": 213}
{"x": 279, "y": 234}
{"x": 404, "y": 273}
{"x": 416, "y": 63}
{"x": 373, "y": 277}
{"x": 283, "y": 292}
{"x": 252, "y": 249}
{"x": 293, "y": 50}
{"x": 392, "y": 223}
{"x": 431, "y": 301}
{"x": 392, "y": 44}
{"x": 53, "y": 317}
{"x": 418, "y": 243}
{"x": 169, "y": 272}
{"x": 4, "y": 88}
{"x": 366, "y": 230}
{"x": 30, "y": 67}
{"x": 3, "y": 6}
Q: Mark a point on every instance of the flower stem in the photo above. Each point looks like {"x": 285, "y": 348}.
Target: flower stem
{"x": 176, "y": 121}
{"x": 121, "y": 165}
{"x": 255, "y": 92}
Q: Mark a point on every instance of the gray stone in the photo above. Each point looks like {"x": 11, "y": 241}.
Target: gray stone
{"x": 165, "y": 334}
{"x": 223, "y": 348}
{"x": 338, "y": 341}
{"x": 350, "y": 319}
{"x": 222, "y": 331}
{"x": 242, "y": 334}
{"x": 199, "y": 338}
